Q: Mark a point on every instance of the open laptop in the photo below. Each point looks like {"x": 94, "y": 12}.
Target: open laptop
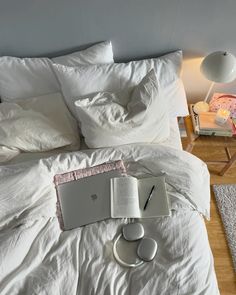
{"x": 86, "y": 200}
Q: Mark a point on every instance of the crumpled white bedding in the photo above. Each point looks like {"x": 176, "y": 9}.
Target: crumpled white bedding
{"x": 37, "y": 258}
{"x": 174, "y": 141}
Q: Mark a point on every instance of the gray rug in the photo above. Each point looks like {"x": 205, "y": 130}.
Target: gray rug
{"x": 225, "y": 195}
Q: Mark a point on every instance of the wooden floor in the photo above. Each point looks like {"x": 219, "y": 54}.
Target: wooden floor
{"x": 223, "y": 263}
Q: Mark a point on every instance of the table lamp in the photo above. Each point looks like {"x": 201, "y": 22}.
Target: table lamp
{"x": 218, "y": 67}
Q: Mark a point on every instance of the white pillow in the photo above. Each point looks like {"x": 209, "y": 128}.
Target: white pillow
{"x": 6, "y": 153}
{"x": 28, "y": 77}
{"x": 105, "y": 122}
{"x": 37, "y": 124}
{"x": 101, "y": 53}
{"x": 84, "y": 80}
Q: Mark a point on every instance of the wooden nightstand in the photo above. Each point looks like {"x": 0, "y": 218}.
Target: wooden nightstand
{"x": 214, "y": 141}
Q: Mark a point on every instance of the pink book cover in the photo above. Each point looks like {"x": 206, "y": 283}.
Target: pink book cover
{"x": 81, "y": 173}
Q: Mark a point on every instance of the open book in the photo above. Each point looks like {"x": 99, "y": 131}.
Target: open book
{"x": 129, "y": 196}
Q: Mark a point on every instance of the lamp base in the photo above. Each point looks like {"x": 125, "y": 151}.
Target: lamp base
{"x": 200, "y": 107}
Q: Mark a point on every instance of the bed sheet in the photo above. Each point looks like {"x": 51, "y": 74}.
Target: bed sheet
{"x": 174, "y": 140}
{"x": 37, "y": 258}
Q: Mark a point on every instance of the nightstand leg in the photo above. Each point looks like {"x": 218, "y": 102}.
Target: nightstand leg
{"x": 228, "y": 165}
{"x": 189, "y": 148}
{"x": 228, "y": 153}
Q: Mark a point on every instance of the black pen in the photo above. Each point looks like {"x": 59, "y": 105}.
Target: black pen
{"x": 149, "y": 197}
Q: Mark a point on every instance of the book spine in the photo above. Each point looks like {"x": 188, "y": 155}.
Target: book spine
{"x": 215, "y": 133}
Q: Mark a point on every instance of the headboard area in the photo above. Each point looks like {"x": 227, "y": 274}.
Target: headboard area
{"x": 137, "y": 28}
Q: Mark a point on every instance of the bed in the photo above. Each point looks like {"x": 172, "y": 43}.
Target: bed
{"x": 82, "y": 110}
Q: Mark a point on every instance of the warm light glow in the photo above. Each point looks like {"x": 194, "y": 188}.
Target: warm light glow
{"x": 222, "y": 116}
{"x": 196, "y": 85}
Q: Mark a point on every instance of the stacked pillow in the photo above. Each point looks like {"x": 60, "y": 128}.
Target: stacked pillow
{"x": 30, "y": 77}
{"x": 34, "y": 116}
{"x": 114, "y": 103}
{"x": 100, "y": 53}
{"x": 106, "y": 122}
{"x": 84, "y": 80}
{"x": 37, "y": 124}
{"x": 92, "y": 95}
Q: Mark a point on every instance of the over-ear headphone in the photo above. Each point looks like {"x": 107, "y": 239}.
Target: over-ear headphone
{"x": 146, "y": 249}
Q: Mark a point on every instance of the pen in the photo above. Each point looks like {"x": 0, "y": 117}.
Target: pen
{"x": 149, "y": 197}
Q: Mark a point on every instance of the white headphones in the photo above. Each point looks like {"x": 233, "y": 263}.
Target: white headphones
{"x": 146, "y": 249}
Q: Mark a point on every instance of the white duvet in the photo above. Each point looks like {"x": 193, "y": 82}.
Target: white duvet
{"x": 36, "y": 257}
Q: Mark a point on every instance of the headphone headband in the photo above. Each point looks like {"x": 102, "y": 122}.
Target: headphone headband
{"x": 117, "y": 257}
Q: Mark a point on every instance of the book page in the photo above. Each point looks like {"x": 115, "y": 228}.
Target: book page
{"x": 124, "y": 197}
{"x": 158, "y": 204}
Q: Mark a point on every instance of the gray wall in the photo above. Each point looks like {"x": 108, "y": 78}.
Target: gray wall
{"x": 137, "y": 28}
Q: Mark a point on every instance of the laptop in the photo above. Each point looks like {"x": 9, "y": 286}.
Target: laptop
{"x": 86, "y": 200}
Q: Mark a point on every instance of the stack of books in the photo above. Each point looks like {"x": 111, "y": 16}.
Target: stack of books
{"x": 204, "y": 124}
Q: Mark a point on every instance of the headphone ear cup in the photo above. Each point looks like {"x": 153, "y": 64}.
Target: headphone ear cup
{"x": 147, "y": 249}
{"x": 133, "y": 231}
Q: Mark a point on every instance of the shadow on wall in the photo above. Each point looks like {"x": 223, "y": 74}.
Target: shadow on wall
{"x": 196, "y": 85}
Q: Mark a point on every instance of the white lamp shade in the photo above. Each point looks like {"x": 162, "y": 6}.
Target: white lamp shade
{"x": 219, "y": 66}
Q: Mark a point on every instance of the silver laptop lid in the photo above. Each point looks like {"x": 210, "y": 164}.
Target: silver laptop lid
{"x": 86, "y": 200}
